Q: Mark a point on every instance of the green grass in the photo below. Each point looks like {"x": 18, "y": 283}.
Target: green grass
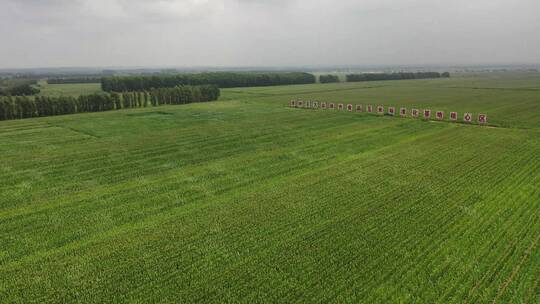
{"x": 68, "y": 89}
{"x": 246, "y": 200}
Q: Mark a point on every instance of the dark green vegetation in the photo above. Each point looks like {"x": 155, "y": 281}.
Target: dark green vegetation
{"x": 222, "y": 80}
{"x": 15, "y": 87}
{"x": 247, "y": 200}
{"x": 71, "y": 80}
{"x": 328, "y": 78}
{"x": 395, "y": 76}
{"x": 19, "y": 107}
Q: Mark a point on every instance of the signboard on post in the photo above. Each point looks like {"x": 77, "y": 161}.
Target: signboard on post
{"x": 380, "y": 110}
{"x": 482, "y": 118}
{"x": 403, "y": 112}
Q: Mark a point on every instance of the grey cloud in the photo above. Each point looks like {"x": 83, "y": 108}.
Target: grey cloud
{"x": 266, "y": 32}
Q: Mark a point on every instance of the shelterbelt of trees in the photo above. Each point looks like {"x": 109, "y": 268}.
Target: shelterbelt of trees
{"x": 18, "y": 87}
{"x": 395, "y": 76}
{"x": 328, "y": 78}
{"x": 221, "y": 79}
{"x": 18, "y": 107}
{"x": 70, "y": 80}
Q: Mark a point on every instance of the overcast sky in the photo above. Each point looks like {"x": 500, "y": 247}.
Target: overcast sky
{"x": 184, "y": 33}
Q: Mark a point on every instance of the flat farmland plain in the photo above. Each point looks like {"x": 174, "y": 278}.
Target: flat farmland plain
{"x": 246, "y": 200}
{"x": 68, "y": 89}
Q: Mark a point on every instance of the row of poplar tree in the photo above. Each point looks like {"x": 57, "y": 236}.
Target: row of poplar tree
{"x": 221, "y": 79}
{"x": 17, "y": 107}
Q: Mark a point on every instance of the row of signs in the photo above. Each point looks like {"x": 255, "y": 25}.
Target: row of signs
{"x": 403, "y": 112}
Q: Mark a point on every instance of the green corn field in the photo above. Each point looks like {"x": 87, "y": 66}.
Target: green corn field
{"x": 247, "y": 200}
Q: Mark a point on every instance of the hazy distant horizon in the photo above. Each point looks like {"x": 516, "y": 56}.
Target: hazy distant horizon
{"x": 366, "y": 68}
{"x": 278, "y": 67}
{"x": 267, "y": 33}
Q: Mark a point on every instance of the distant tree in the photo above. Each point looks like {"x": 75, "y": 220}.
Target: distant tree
{"x": 220, "y": 79}
{"x": 328, "y": 78}
{"x": 73, "y": 80}
{"x": 25, "y": 106}
{"x": 392, "y": 76}
{"x": 3, "y": 108}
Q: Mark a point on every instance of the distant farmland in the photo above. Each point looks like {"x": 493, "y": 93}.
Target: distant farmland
{"x": 247, "y": 200}
{"x": 69, "y": 89}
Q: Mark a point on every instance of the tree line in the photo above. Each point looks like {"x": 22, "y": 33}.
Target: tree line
{"x": 73, "y": 80}
{"x": 18, "y": 87}
{"x": 18, "y": 107}
{"x": 328, "y": 78}
{"x": 220, "y": 79}
{"x": 395, "y": 76}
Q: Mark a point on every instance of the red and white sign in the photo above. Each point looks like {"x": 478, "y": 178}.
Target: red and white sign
{"x": 349, "y": 107}
{"x": 370, "y": 109}
{"x": 332, "y": 106}
{"x": 415, "y": 113}
{"x": 358, "y": 108}
{"x": 380, "y": 110}
{"x": 453, "y": 116}
{"x": 467, "y": 117}
{"x": 392, "y": 111}
{"x": 403, "y": 112}
{"x": 427, "y": 114}
{"x": 340, "y": 106}
{"x": 482, "y": 118}
{"x": 439, "y": 115}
